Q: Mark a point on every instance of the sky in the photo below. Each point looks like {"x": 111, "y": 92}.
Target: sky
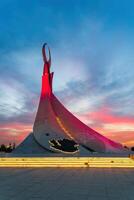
{"x": 92, "y": 47}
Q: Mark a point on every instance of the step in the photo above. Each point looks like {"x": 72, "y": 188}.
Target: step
{"x": 104, "y": 162}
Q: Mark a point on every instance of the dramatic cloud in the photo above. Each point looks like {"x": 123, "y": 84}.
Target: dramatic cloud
{"x": 92, "y": 59}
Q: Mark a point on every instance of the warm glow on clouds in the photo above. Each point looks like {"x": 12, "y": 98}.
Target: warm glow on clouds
{"x": 14, "y": 132}
{"x": 105, "y": 114}
{"x": 118, "y": 128}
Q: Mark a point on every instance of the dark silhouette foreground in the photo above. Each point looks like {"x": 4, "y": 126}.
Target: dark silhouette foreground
{"x": 7, "y": 148}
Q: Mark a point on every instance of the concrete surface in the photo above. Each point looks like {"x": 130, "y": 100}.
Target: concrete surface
{"x": 66, "y": 184}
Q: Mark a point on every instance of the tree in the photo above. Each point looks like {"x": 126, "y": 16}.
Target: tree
{"x": 3, "y": 148}
{"x": 132, "y": 148}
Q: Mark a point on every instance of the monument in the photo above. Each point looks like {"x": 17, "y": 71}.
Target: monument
{"x": 56, "y": 130}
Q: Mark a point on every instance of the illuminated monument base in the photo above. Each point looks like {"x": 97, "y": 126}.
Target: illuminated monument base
{"x": 30, "y": 147}
{"x": 59, "y": 139}
{"x": 57, "y": 131}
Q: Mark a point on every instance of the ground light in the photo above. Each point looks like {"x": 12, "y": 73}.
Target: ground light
{"x": 88, "y": 162}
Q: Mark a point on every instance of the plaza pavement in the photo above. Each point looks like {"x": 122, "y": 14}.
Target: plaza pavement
{"x": 66, "y": 184}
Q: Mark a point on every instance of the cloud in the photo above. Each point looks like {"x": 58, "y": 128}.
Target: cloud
{"x": 118, "y": 128}
{"x": 93, "y": 70}
{"x": 17, "y": 103}
{"x": 14, "y": 132}
{"x": 12, "y": 100}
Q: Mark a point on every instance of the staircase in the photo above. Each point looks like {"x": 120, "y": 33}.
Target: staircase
{"x": 103, "y": 162}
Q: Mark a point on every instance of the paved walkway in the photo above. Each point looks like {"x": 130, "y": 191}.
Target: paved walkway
{"x": 66, "y": 184}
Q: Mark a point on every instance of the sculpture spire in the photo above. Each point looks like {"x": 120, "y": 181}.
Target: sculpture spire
{"x": 47, "y": 76}
{"x": 47, "y": 62}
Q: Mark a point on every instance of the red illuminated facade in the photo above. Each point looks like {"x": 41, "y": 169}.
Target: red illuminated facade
{"x": 47, "y": 77}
